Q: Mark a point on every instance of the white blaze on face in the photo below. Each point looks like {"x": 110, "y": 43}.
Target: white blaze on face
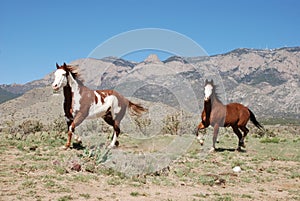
{"x": 208, "y": 89}
{"x": 60, "y": 79}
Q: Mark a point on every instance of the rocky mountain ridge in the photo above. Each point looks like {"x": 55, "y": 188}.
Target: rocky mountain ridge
{"x": 267, "y": 81}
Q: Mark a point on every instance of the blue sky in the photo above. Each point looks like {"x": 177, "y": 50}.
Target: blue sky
{"x": 34, "y": 35}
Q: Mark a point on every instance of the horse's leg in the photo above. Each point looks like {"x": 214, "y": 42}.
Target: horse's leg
{"x": 70, "y": 131}
{"x": 240, "y": 136}
{"x": 245, "y": 131}
{"x": 200, "y": 127}
{"x": 114, "y": 141}
{"x": 109, "y": 120}
{"x": 68, "y": 143}
{"x": 119, "y": 116}
{"x": 215, "y": 136}
{"x": 72, "y": 124}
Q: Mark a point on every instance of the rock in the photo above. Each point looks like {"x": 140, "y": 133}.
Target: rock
{"x": 18, "y": 136}
{"x": 237, "y": 169}
{"x": 76, "y": 167}
{"x": 33, "y": 148}
{"x": 220, "y": 181}
{"x": 56, "y": 162}
{"x": 90, "y": 167}
{"x": 9, "y": 136}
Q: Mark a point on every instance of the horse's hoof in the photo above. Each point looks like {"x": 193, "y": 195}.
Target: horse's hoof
{"x": 242, "y": 144}
{"x": 77, "y": 139}
{"x": 239, "y": 149}
{"x": 65, "y": 147}
{"x": 212, "y": 150}
{"x": 111, "y": 146}
{"x": 117, "y": 143}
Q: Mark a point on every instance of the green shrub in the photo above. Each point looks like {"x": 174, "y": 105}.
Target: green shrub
{"x": 270, "y": 140}
{"x": 59, "y": 125}
{"x": 142, "y": 123}
{"x": 30, "y": 126}
{"x": 171, "y": 124}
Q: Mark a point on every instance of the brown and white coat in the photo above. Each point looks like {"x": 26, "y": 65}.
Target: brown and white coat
{"x": 81, "y": 102}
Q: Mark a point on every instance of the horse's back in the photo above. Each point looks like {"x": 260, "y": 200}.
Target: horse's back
{"x": 236, "y": 112}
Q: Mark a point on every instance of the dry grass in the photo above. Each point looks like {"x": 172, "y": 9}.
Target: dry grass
{"x": 35, "y": 168}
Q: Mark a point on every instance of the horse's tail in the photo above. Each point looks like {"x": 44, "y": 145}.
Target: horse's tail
{"x": 136, "y": 109}
{"x": 254, "y": 121}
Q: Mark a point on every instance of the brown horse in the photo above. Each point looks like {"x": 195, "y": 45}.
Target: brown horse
{"x": 216, "y": 114}
{"x": 81, "y": 102}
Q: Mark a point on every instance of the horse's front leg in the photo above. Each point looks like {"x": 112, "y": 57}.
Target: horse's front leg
{"x": 199, "y": 127}
{"x": 215, "y": 136}
{"x": 71, "y": 126}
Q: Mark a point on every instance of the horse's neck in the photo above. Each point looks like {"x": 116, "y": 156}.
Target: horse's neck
{"x": 73, "y": 84}
{"x": 76, "y": 93}
{"x": 215, "y": 101}
{"x": 207, "y": 107}
{"x": 206, "y": 112}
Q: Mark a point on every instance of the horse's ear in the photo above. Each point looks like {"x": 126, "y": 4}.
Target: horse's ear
{"x": 206, "y": 81}
{"x": 65, "y": 65}
{"x": 57, "y": 66}
{"x": 212, "y": 81}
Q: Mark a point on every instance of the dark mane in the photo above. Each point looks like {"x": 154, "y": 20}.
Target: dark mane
{"x": 74, "y": 70}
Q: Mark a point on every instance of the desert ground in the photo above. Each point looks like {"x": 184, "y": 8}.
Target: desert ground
{"x": 35, "y": 167}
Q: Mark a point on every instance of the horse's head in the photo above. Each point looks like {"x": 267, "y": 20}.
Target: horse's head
{"x": 208, "y": 89}
{"x": 60, "y": 77}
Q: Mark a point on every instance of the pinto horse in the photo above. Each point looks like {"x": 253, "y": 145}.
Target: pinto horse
{"x": 216, "y": 114}
{"x": 80, "y": 103}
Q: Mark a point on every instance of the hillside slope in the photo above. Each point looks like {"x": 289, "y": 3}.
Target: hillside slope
{"x": 267, "y": 81}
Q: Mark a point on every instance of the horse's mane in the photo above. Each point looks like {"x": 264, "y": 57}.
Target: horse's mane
{"x": 74, "y": 70}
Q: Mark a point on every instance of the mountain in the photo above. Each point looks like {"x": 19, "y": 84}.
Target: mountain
{"x": 6, "y": 95}
{"x": 267, "y": 81}
{"x": 16, "y": 90}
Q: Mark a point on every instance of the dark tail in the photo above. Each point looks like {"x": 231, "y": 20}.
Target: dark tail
{"x": 136, "y": 109}
{"x": 254, "y": 121}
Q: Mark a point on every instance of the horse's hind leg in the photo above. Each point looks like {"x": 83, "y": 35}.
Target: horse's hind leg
{"x": 109, "y": 120}
{"x": 119, "y": 114}
{"x": 116, "y": 133}
{"x": 240, "y": 136}
{"x": 245, "y": 131}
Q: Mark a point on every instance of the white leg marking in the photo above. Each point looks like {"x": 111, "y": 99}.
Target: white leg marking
{"x": 70, "y": 128}
{"x": 212, "y": 150}
{"x": 77, "y": 138}
{"x": 113, "y": 142}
